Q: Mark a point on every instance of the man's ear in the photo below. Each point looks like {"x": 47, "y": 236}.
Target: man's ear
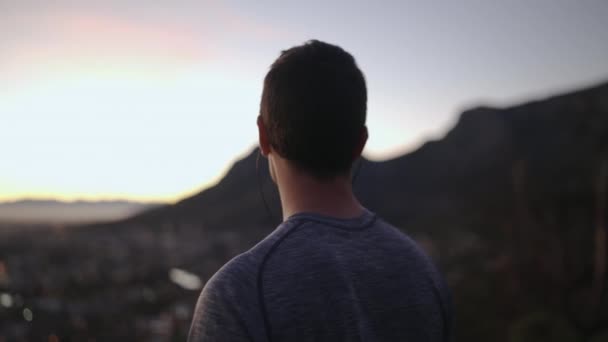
{"x": 361, "y": 144}
{"x": 263, "y": 137}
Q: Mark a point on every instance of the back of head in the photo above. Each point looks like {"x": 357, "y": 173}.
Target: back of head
{"x": 314, "y": 108}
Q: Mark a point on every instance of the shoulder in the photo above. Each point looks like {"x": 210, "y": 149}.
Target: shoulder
{"x": 241, "y": 272}
{"x": 403, "y": 241}
{"x": 235, "y": 275}
{"x": 229, "y": 302}
{"x": 417, "y": 257}
{"x": 225, "y": 307}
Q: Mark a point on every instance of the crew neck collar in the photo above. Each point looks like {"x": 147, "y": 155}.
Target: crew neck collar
{"x": 362, "y": 221}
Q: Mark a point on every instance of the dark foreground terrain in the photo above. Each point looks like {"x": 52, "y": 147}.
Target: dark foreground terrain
{"x": 511, "y": 204}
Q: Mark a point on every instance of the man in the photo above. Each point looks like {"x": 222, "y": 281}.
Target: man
{"x": 332, "y": 271}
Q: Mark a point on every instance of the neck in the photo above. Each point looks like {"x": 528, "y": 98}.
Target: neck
{"x": 301, "y": 192}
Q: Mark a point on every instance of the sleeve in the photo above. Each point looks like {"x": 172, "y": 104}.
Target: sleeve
{"x": 216, "y": 316}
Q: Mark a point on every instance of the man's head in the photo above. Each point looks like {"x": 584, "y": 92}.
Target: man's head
{"x": 313, "y": 109}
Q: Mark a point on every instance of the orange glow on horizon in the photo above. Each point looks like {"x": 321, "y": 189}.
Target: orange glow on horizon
{"x": 17, "y": 195}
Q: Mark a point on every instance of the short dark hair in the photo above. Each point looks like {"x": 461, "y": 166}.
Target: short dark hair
{"x": 314, "y": 107}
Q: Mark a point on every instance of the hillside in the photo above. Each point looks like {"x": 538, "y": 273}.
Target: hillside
{"x": 514, "y": 188}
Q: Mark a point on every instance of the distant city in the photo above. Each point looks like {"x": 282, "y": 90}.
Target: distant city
{"x": 74, "y": 212}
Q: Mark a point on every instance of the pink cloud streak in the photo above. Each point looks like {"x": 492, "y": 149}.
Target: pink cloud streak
{"x": 71, "y": 38}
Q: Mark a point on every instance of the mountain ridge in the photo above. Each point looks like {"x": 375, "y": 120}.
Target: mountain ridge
{"x": 510, "y": 190}
{"x": 472, "y": 143}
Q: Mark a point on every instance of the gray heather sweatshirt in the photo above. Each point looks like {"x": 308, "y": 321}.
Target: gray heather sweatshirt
{"x": 317, "y": 278}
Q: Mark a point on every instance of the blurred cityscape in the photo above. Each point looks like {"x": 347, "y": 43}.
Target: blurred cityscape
{"x": 81, "y": 284}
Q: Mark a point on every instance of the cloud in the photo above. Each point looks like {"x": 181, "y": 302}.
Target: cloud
{"x": 73, "y": 39}
{"x": 37, "y": 39}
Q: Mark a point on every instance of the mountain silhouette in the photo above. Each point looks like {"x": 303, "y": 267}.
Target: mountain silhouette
{"x": 508, "y": 197}
{"x": 559, "y": 141}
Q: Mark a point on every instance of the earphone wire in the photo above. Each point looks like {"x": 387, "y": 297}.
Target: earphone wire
{"x": 261, "y": 188}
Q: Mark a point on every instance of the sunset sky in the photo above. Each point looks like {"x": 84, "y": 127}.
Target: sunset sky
{"x": 152, "y": 100}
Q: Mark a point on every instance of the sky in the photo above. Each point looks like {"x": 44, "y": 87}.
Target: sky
{"x": 153, "y": 100}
